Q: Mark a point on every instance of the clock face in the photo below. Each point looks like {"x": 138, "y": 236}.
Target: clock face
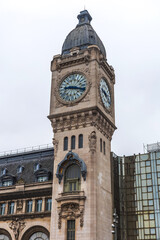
{"x": 105, "y": 93}
{"x": 73, "y": 87}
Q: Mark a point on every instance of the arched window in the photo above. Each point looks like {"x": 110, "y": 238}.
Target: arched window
{"x": 39, "y": 236}
{"x": 20, "y": 169}
{"x": 72, "y": 178}
{"x": 37, "y": 166}
{"x": 100, "y": 144}
{"x": 80, "y": 141}
{"x": 36, "y": 233}
{"x": 65, "y": 146}
{"x": 3, "y": 171}
{"x": 73, "y": 142}
{"x": 4, "y": 235}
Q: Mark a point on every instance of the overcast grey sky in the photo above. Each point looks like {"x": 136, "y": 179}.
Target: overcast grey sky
{"x": 32, "y": 31}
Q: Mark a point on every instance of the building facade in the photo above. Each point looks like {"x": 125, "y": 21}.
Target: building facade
{"x": 136, "y": 195}
{"x": 26, "y": 194}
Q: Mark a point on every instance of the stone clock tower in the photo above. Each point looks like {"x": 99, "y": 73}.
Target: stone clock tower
{"x": 82, "y": 117}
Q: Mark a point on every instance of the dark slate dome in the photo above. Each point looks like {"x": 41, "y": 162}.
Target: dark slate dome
{"x": 83, "y": 35}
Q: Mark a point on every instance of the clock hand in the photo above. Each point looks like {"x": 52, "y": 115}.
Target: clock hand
{"x": 106, "y": 95}
{"x": 75, "y": 87}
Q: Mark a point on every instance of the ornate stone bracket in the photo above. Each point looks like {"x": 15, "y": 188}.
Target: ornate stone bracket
{"x": 17, "y": 226}
{"x": 70, "y": 211}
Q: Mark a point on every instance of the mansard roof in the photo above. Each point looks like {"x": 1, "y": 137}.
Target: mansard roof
{"x": 28, "y": 160}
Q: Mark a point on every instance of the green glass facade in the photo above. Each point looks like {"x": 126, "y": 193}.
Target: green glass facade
{"x": 136, "y": 195}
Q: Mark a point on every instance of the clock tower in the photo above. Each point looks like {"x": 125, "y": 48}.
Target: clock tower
{"x": 83, "y": 121}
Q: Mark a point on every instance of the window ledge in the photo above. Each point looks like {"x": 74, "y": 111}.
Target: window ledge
{"x": 76, "y": 195}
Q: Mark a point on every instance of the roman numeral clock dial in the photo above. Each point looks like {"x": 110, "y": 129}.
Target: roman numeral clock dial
{"x": 73, "y": 88}
{"x": 105, "y": 94}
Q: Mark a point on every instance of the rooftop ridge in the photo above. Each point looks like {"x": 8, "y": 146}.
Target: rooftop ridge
{"x": 25, "y": 150}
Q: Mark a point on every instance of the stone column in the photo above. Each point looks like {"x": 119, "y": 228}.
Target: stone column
{"x": 34, "y": 205}
{"x": 43, "y": 204}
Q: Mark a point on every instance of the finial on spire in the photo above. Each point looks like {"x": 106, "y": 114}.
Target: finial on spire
{"x": 84, "y": 17}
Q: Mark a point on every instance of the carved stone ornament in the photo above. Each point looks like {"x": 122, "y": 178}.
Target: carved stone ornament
{"x": 19, "y": 205}
{"x": 17, "y": 226}
{"x": 69, "y": 159}
{"x": 55, "y": 144}
{"x": 70, "y": 211}
{"x": 83, "y": 119}
{"x": 21, "y": 181}
{"x": 92, "y": 141}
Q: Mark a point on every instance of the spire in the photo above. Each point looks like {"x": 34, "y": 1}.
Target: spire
{"x": 84, "y": 18}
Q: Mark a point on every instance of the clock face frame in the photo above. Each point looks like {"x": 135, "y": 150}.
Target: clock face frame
{"x": 105, "y": 93}
{"x": 72, "y": 88}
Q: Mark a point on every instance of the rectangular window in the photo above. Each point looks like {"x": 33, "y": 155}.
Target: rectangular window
{"x": 7, "y": 183}
{"x": 48, "y": 204}
{"x": 149, "y": 189}
{"x": 72, "y": 186}
{"x": 39, "y": 205}
{"x": 29, "y": 206}
{"x": 152, "y": 231}
{"x": 42, "y": 179}
{"x": 148, "y": 175}
{"x": 100, "y": 144}
{"x": 151, "y": 216}
{"x": 104, "y": 148}
{"x": 71, "y": 230}
{"x": 2, "y": 208}
{"x": 158, "y": 161}
{"x": 150, "y": 202}
{"x": 148, "y": 163}
{"x": 11, "y": 208}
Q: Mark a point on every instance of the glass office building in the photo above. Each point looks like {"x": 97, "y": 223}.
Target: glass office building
{"x": 136, "y": 195}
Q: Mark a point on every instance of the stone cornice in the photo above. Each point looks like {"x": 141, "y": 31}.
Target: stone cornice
{"x": 64, "y": 62}
{"x": 25, "y": 216}
{"x": 83, "y": 118}
{"x": 25, "y": 194}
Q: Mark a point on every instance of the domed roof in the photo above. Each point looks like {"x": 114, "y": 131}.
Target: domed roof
{"x": 83, "y": 35}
